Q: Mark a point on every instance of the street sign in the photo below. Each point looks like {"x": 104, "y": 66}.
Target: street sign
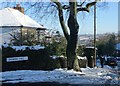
{"x": 14, "y": 59}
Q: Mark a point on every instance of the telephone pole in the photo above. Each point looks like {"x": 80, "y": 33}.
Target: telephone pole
{"x": 94, "y": 35}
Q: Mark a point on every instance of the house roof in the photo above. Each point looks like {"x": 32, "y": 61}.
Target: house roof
{"x": 10, "y": 17}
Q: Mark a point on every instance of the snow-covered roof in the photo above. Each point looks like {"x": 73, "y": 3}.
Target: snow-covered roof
{"x": 10, "y": 17}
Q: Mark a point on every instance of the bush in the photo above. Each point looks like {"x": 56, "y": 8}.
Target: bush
{"x": 57, "y": 48}
{"x": 37, "y": 59}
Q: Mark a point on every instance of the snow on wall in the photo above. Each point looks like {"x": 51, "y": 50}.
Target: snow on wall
{"x": 36, "y": 47}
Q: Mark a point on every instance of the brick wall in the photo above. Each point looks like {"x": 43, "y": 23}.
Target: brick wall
{"x": 18, "y": 7}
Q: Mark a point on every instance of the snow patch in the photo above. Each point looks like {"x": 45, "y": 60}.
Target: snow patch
{"x": 54, "y": 57}
{"x": 36, "y": 47}
{"x": 107, "y": 77}
{"x": 99, "y": 74}
{"x": 81, "y": 57}
{"x": 87, "y": 76}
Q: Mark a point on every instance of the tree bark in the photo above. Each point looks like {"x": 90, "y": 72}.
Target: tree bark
{"x": 72, "y": 60}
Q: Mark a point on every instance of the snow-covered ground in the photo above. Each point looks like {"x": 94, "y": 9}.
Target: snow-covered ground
{"x": 87, "y": 76}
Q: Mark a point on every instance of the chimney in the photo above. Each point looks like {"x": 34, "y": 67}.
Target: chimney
{"x": 18, "y": 7}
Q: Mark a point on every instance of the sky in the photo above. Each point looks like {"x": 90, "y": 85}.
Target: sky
{"x": 107, "y": 20}
{"x": 119, "y": 17}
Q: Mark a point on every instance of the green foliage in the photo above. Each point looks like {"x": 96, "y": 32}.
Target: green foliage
{"x": 80, "y": 50}
{"x": 57, "y": 47}
{"x": 106, "y": 45}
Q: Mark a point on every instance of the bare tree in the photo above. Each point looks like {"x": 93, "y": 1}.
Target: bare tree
{"x": 72, "y": 35}
{"x": 70, "y": 32}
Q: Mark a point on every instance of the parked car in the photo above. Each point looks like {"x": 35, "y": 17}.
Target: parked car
{"x": 111, "y": 61}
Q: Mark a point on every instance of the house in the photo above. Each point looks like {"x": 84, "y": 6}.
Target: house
{"x": 14, "y": 21}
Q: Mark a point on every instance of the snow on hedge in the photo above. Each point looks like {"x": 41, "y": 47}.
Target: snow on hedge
{"x": 35, "y": 47}
{"x": 79, "y": 57}
{"x": 87, "y": 76}
{"x": 55, "y": 57}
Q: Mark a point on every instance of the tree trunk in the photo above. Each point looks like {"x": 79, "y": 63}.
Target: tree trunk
{"x": 72, "y": 60}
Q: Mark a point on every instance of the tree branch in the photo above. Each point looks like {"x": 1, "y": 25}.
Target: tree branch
{"x": 61, "y": 18}
{"x": 90, "y": 4}
{"x": 65, "y": 7}
{"x": 82, "y": 9}
{"x": 54, "y": 6}
{"x": 14, "y": 36}
{"x": 31, "y": 6}
{"x": 82, "y": 3}
{"x": 87, "y": 8}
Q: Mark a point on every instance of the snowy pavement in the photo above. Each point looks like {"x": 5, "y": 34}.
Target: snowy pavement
{"x": 87, "y": 76}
